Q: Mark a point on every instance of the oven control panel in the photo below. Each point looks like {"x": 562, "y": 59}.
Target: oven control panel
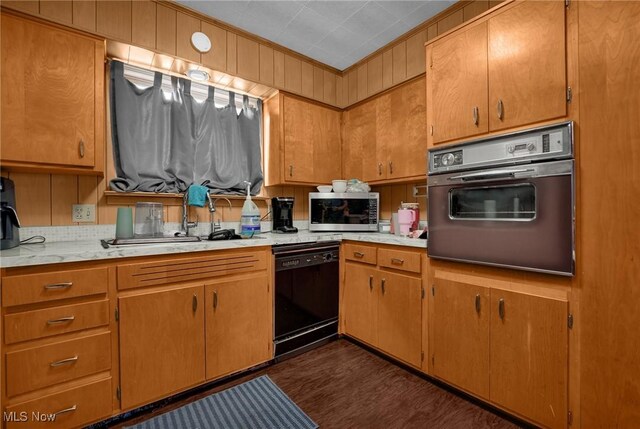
{"x": 553, "y": 142}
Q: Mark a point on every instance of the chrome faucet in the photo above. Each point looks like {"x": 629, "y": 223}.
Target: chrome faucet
{"x": 185, "y": 214}
{"x": 212, "y": 208}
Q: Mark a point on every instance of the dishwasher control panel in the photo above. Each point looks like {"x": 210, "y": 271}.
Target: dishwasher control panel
{"x": 299, "y": 260}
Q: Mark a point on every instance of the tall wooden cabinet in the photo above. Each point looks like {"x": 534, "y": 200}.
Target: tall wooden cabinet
{"x": 302, "y": 141}
{"x": 505, "y": 70}
{"x": 52, "y": 98}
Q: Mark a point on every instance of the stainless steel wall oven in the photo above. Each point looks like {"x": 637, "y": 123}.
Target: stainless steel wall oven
{"x": 506, "y": 200}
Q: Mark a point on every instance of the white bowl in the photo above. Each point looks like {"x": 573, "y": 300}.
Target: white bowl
{"x": 339, "y": 186}
{"x": 324, "y": 188}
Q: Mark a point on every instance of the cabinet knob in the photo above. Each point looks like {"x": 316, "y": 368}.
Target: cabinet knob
{"x": 390, "y": 167}
{"x": 81, "y": 148}
{"x": 501, "y": 308}
{"x": 382, "y": 283}
{"x": 215, "y": 299}
{"x": 194, "y": 303}
{"x": 370, "y": 283}
{"x": 500, "y": 109}
{"x": 379, "y": 169}
{"x": 478, "y": 303}
{"x": 291, "y": 171}
{"x": 476, "y": 116}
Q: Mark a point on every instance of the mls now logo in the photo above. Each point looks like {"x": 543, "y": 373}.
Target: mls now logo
{"x": 23, "y": 416}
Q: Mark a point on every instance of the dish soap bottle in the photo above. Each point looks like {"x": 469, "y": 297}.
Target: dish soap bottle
{"x": 250, "y": 216}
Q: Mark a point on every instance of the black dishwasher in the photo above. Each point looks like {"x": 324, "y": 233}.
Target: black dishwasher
{"x": 306, "y": 296}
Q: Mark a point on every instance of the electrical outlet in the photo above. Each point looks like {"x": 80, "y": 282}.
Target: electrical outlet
{"x": 84, "y": 213}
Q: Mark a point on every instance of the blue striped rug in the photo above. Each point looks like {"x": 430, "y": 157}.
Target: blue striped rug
{"x": 257, "y": 403}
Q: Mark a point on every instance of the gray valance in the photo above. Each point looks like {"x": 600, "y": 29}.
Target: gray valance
{"x": 165, "y": 144}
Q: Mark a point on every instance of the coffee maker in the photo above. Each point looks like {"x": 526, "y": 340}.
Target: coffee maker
{"x": 282, "y": 214}
{"x": 9, "y": 223}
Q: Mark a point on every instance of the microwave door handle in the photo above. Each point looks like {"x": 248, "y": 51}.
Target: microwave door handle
{"x": 491, "y": 174}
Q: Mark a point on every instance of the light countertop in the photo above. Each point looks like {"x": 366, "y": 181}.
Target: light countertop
{"x": 91, "y": 250}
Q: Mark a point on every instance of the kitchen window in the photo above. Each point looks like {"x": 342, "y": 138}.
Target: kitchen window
{"x": 169, "y": 132}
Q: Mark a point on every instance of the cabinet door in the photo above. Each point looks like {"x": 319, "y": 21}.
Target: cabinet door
{"x": 399, "y": 317}
{"x": 529, "y": 356}
{"x": 460, "y": 316}
{"x": 359, "y": 303}
{"x": 48, "y": 98}
{"x": 311, "y": 142}
{"x": 406, "y": 152}
{"x": 527, "y": 71}
{"x": 161, "y": 343}
{"x": 359, "y": 136}
{"x": 457, "y": 70}
{"x": 238, "y": 324}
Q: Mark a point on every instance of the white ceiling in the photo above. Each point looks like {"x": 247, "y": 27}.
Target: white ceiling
{"x": 337, "y": 33}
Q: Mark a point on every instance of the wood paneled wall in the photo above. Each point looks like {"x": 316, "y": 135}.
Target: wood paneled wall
{"x": 404, "y": 58}
{"x": 148, "y": 29}
{"x": 392, "y": 195}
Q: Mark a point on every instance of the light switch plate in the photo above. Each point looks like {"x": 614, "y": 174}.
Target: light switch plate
{"x": 84, "y": 213}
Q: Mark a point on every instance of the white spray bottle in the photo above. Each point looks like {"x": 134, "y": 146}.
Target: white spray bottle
{"x": 250, "y": 216}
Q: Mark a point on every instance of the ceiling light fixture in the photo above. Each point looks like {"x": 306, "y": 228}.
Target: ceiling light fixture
{"x": 201, "y": 42}
{"x": 199, "y": 75}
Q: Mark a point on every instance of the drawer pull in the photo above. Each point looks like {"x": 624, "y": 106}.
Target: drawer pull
{"x": 358, "y": 254}
{"x": 66, "y": 410}
{"x": 501, "y": 309}
{"x": 55, "y": 286}
{"x": 215, "y": 299}
{"x": 382, "y": 285}
{"x": 194, "y": 303}
{"x": 61, "y": 320}
{"x": 397, "y": 261}
{"x": 64, "y": 361}
{"x": 81, "y": 148}
{"x": 478, "y": 303}
{"x": 370, "y": 282}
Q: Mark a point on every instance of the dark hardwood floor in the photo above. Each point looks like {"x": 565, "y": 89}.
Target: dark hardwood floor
{"x": 342, "y": 385}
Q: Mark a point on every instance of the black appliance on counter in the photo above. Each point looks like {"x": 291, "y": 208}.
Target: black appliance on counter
{"x": 282, "y": 213}
{"x": 506, "y": 201}
{"x": 306, "y": 296}
{"x": 9, "y": 223}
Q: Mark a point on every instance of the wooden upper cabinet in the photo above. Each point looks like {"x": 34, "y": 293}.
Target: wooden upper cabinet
{"x": 359, "y": 135}
{"x": 161, "y": 342}
{"x": 52, "y": 98}
{"x": 527, "y": 64}
{"x": 233, "y": 310}
{"x": 460, "y": 335}
{"x": 457, "y": 74}
{"x": 311, "y": 142}
{"x": 505, "y": 71}
{"x": 529, "y": 356}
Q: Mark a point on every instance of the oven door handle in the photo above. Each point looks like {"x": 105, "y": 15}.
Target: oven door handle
{"x": 491, "y": 174}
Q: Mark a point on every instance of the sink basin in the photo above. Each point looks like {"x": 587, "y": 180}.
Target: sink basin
{"x": 150, "y": 240}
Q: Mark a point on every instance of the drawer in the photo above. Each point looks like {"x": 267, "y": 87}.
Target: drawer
{"x": 360, "y": 253}
{"x": 70, "y": 408}
{"x": 28, "y": 325}
{"x": 44, "y": 366}
{"x": 31, "y": 288}
{"x": 166, "y": 271}
{"x": 399, "y": 260}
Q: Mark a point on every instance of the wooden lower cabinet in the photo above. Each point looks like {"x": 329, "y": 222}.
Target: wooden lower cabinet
{"x": 399, "y": 316}
{"x": 384, "y": 309}
{"x": 162, "y": 348}
{"x": 460, "y": 335}
{"x": 239, "y": 327}
{"x": 529, "y": 356}
{"x": 360, "y": 302}
{"x": 501, "y": 341}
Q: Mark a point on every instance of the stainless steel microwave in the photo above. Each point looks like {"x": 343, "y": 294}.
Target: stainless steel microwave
{"x": 348, "y": 211}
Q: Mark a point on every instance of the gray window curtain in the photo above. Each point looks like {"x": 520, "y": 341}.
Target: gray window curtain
{"x": 165, "y": 145}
